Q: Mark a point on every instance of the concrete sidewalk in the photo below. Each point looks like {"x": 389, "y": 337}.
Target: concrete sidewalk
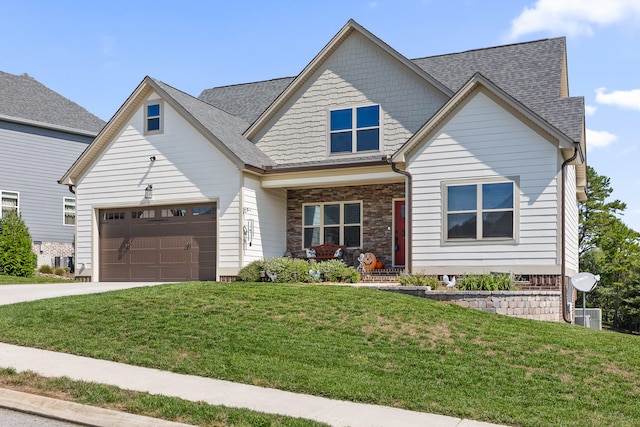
{"x": 218, "y": 392}
{"x": 11, "y": 294}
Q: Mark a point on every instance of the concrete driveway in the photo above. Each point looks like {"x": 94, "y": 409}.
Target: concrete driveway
{"x": 11, "y": 294}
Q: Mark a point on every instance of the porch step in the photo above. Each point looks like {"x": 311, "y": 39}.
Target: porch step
{"x": 380, "y": 276}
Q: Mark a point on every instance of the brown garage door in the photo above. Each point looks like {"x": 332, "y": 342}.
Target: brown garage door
{"x": 163, "y": 243}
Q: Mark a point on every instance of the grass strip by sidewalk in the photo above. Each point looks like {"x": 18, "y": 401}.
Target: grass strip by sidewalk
{"x": 351, "y": 344}
{"x": 14, "y": 280}
{"x": 162, "y": 407}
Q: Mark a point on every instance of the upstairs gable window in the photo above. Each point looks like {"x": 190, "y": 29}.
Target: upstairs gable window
{"x": 355, "y": 129}
{"x": 153, "y": 117}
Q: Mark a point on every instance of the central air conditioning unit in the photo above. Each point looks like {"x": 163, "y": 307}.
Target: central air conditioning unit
{"x": 593, "y": 318}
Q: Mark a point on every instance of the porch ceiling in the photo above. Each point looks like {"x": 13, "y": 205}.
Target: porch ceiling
{"x": 332, "y": 178}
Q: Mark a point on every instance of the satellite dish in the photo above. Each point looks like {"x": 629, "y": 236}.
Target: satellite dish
{"x": 584, "y": 282}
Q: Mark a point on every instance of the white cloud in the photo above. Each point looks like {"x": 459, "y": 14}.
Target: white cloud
{"x": 621, "y": 98}
{"x": 573, "y": 17}
{"x": 599, "y": 138}
{"x": 590, "y": 110}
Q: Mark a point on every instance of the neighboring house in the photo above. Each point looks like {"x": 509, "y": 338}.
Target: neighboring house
{"x": 472, "y": 162}
{"x": 41, "y": 134}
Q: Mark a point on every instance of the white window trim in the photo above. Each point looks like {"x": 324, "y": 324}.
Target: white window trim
{"x": 146, "y": 117}
{"x": 341, "y": 225}
{"x": 479, "y": 239}
{"x": 64, "y": 211}
{"x": 354, "y": 129}
{"x": 10, "y": 194}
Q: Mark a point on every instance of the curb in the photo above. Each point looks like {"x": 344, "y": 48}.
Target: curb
{"x": 76, "y": 412}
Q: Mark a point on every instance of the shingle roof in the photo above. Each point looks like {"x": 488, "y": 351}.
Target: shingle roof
{"x": 24, "y": 98}
{"x": 226, "y": 127}
{"x": 246, "y": 100}
{"x": 530, "y": 72}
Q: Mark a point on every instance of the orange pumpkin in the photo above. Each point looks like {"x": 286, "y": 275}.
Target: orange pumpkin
{"x": 379, "y": 265}
{"x": 369, "y": 261}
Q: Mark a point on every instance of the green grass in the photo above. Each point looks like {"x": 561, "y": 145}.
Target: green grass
{"x": 14, "y": 280}
{"x": 168, "y": 408}
{"x": 352, "y": 344}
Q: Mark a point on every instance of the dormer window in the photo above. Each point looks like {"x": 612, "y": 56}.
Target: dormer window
{"x": 153, "y": 117}
{"x": 355, "y": 129}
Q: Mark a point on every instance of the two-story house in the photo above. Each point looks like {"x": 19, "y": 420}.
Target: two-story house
{"x": 464, "y": 163}
{"x": 41, "y": 134}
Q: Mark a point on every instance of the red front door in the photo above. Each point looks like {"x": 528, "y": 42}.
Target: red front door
{"x": 398, "y": 235}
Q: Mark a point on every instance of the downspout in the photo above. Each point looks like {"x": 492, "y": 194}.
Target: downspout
{"x": 563, "y": 272}
{"x": 408, "y": 211}
{"x": 71, "y": 190}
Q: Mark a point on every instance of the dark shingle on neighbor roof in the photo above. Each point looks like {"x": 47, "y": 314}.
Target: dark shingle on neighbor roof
{"x": 246, "y": 100}
{"x": 224, "y": 126}
{"x": 24, "y": 98}
{"x": 530, "y": 72}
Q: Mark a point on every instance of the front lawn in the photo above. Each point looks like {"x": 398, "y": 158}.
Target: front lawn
{"x": 353, "y": 344}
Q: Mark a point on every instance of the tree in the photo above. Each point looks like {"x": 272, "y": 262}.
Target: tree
{"x": 621, "y": 252}
{"x": 597, "y": 214}
{"x": 16, "y": 255}
{"x": 611, "y": 249}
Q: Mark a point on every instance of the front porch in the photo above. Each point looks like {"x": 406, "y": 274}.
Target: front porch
{"x": 363, "y": 218}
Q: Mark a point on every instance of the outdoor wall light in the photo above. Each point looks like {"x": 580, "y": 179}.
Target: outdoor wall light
{"x": 152, "y": 158}
{"x": 148, "y": 192}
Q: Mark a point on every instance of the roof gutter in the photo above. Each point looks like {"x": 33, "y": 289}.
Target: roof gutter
{"x": 563, "y": 232}
{"x": 409, "y": 211}
{"x": 50, "y": 126}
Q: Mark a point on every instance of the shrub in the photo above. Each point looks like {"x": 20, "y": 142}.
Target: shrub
{"x": 486, "y": 282}
{"x": 337, "y": 271}
{"x": 45, "y": 269}
{"x": 251, "y": 272}
{"x": 287, "y": 270}
{"x": 16, "y": 256}
{"x": 419, "y": 279}
{"x": 59, "y": 271}
{"x": 294, "y": 270}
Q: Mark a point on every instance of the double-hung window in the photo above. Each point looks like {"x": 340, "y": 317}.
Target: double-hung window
{"x": 480, "y": 211}
{"x": 355, "y": 129}
{"x": 339, "y": 223}
{"x": 153, "y": 117}
{"x": 10, "y": 203}
{"x": 69, "y": 211}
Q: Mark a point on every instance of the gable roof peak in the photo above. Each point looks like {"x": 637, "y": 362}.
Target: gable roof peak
{"x": 320, "y": 59}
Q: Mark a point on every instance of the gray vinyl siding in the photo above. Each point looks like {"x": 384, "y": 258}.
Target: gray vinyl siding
{"x": 31, "y": 162}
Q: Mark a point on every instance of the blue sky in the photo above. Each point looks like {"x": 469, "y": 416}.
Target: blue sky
{"x": 96, "y": 53}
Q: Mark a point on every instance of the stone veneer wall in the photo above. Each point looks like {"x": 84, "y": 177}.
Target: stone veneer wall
{"x": 377, "y": 214}
{"x": 536, "y": 305}
{"x": 48, "y": 251}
